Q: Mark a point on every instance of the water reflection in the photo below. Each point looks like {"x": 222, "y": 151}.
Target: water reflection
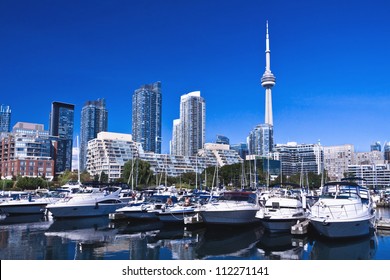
{"x": 227, "y": 242}
{"x": 39, "y": 237}
{"x": 20, "y": 219}
{"x": 281, "y": 246}
{"x": 358, "y": 249}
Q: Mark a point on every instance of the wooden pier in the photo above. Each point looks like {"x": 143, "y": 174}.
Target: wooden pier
{"x": 300, "y": 228}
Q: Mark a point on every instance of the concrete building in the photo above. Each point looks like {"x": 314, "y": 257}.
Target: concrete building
{"x": 337, "y": 159}
{"x": 26, "y": 151}
{"x": 297, "y": 158}
{"x": 377, "y": 176}
{"x": 110, "y": 151}
{"x": 189, "y": 132}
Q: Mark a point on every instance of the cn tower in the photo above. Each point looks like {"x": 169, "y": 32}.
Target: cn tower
{"x": 268, "y": 81}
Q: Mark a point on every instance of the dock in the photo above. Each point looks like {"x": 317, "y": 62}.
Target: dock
{"x": 194, "y": 219}
{"x": 382, "y": 224}
{"x": 117, "y": 216}
{"x": 300, "y": 228}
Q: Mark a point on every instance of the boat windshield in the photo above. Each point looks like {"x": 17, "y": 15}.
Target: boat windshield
{"x": 238, "y": 196}
{"x": 345, "y": 190}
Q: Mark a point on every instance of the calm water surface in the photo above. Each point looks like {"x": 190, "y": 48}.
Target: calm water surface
{"x": 39, "y": 238}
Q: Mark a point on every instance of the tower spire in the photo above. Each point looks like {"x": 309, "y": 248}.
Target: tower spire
{"x": 268, "y": 81}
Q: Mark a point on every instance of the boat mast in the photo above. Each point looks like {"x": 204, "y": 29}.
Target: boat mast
{"x": 78, "y": 161}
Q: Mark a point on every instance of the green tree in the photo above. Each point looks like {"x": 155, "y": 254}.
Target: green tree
{"x": 140, "y": 170}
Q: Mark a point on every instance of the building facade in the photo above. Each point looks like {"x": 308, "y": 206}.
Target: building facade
{"x": 146, "y": 117}
{"x": 377, "y": 176}
{"x": 26, "y": 151}
{"x": 241, "y": 149}
{"x": 94, "y": 119}
{"x": 260, "y": 140}
{"x": 337, "y": 159}
{"x": 109, "y": 152}
{"x": 189, "y": 132}
{"x": 61, "y": 127}
{"x": 299, "y": 158}
{"x": 5, "y": 118}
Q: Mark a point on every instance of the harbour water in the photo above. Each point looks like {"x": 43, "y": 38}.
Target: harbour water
{"x": 42, "y": 238}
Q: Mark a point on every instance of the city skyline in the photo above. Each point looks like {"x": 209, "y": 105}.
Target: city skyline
{"x": 329, "y": 57}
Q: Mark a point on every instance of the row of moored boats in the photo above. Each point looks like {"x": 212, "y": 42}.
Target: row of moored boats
{"x": 342, "y": 209}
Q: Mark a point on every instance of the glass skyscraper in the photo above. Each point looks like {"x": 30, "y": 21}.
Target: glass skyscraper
{"x": 146, "y": 117}
{"x": 61, "y": 127}
{"x": 189, "y": 132}
{"x": 94, "y": 119}
{"x": 5, "y": 118}
{"x": 260, "y": 140}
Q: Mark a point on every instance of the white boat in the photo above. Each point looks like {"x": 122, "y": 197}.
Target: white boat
{"x": 25, "y": 203}
{"x": 344, "y": 209}
{"x": 93, "y": 202}
{"x": 282, "y": 210}
{"x": 24, "y": 206}
{"x": 178, "y": 212}
{"x": 146, "y": 210}
{"x": 231, "y": 208}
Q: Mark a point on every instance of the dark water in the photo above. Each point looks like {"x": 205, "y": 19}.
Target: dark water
{"x": 39, "y": 238}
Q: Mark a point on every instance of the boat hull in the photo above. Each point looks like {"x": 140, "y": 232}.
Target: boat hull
{"x": 342, "y": 229}
{"x": 276, "y": 225}
{"x": 94, "y": 210}
{"x": 175, "y": 216}
{"x": 229, "y": 217}
{"x": 140, "y": 215}
{"x": 22, "y": 209}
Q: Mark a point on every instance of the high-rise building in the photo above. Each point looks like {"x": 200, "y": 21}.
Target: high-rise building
{"x": 146, "y": 117}
{"x": 376, "y": 146}
{"x": 260, "y": 140}
{"x": 61, "y": 126}
{"x": 221, "y": 139}
{"x": 387, "y": 151}
{"x": 5, "y": 118}
{"x": 189, "y": 133}
{"x": 94, "y": 119}
{"x": 241, "y": 149}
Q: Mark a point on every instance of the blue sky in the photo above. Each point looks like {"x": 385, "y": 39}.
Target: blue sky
{"x": 331, "y": 60}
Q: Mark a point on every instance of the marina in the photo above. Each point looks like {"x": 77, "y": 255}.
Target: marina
{"x": 40, "y": 237}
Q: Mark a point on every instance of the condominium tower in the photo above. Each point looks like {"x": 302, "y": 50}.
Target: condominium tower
{"x": 189, "y": 132}
{"x": 5, "y": 118}
{"x": 94, "y": 119}
{"x": 146, "y": 117}
{"x": 61, "y": 127}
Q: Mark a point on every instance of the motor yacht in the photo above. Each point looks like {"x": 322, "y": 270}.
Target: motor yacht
{"x": 344, "y": 209}
{"x": 25, "y": 204}
{"x": 178, "y": 212}
{"x": 282, "y": 210}
{"x": 147, "y": 209}
{"x": 90, "y": 202}
{"x": 231, "y": 208}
